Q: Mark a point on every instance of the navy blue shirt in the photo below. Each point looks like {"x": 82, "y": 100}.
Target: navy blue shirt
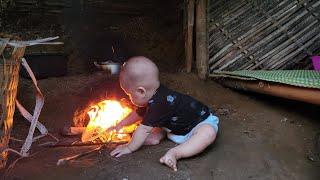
{"x": 177, "y": 112}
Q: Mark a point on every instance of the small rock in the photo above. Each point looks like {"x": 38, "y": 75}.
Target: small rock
{"x": 284, "y": 119}
{"x": 223, "y": 111}
{"x": 313, "y": 157}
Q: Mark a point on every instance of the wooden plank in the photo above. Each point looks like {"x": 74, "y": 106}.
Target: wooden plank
{"x": 189, "y": 35}
{"x": 201, "y": 39}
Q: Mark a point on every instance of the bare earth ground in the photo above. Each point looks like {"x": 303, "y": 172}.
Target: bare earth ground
{"x": 260, "y": 137}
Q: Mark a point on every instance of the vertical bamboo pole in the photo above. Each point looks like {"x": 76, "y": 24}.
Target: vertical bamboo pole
{"x": 189, "y": 35}
{"x": 202, "y": 56}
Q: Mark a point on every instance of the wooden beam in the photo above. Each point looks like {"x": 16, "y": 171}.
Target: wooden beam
{"x": 201, "y": 39}
{"x": 189, "y": 35}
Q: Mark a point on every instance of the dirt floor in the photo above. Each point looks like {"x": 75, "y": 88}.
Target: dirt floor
{"x": 260, "y": 137}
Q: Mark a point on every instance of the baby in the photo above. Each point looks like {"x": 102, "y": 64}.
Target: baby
{"x": 185, "y": 120}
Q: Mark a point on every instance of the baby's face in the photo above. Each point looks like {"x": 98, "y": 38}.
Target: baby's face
{"x": 137, "y": 97}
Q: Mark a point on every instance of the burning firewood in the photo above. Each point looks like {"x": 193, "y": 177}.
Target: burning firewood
{"x": 104, "y": 116}
{"x": 72, "y": 131}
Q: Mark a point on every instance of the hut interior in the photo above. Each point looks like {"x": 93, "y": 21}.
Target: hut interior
{"x": 254, "y": 63}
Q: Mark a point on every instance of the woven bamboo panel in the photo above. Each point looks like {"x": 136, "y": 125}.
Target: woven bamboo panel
{"x": 269, "y": 35}
{"x": 9, "y": 77}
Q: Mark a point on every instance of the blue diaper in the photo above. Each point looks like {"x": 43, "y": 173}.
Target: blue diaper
{"x": 179, "y": 139}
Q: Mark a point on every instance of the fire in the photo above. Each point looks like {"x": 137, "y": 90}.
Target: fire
{"x": 105, "y": 115}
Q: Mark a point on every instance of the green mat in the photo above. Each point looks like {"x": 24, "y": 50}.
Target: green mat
{"x": 302, "y": 78}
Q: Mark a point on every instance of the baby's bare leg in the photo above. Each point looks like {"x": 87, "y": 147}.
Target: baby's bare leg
{"x": 156, "y": 135}
{"x": 201, "y": 138}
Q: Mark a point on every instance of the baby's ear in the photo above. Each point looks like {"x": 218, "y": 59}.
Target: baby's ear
{"x": 141, "y": 90}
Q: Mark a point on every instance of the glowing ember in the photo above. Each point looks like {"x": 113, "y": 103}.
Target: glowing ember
{"x": 104, "y": 115}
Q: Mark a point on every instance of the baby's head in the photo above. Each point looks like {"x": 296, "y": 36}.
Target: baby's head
{"x": 139, "y": 78}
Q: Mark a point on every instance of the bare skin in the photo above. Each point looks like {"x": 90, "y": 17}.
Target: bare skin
{"x": 201, "y": 138}
{"x": 155, "y": 137}
{"x": 139, "y": 79}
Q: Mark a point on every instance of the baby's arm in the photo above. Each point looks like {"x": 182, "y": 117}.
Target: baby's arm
{"x": 130, "y": 119}
{"x": 139, "y": 136}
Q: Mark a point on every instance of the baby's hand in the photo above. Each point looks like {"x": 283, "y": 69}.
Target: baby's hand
{"x": 116, "y": 127}
{"x": 121, "y": 150}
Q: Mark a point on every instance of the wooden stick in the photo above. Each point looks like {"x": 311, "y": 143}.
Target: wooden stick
{"x": 72, "y": 131}
{"x": 80, "y": 144}
{"x": 201, "y": 39}
{"x": 66, "y": 159}
{"x": 189, "y": 35}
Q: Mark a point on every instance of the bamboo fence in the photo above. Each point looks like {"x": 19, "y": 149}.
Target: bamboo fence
{"x": 255, "y": 34}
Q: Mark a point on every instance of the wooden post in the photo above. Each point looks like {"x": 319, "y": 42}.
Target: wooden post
{"x": 9, "y": 77}
{"x": 202, "y": 56}
{"x": 189, "y": 35}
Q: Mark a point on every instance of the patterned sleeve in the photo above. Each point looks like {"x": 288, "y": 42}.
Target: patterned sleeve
{"x": 150, "y": 115}
{"x": 141, "y": 111}
{"x": 154, "y": 115}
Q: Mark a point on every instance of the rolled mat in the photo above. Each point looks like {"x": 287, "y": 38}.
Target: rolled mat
{"x": 300, "y": 85}
{"x": 300, "y": 78}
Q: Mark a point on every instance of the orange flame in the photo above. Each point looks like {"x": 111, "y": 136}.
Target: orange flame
{"x": 105, "y": 115}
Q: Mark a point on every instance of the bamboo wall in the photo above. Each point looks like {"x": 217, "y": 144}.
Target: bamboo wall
{"x": 256, "y": 34}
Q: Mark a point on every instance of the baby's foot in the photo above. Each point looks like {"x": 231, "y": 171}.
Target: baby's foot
{"x": 170, "y": 160}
